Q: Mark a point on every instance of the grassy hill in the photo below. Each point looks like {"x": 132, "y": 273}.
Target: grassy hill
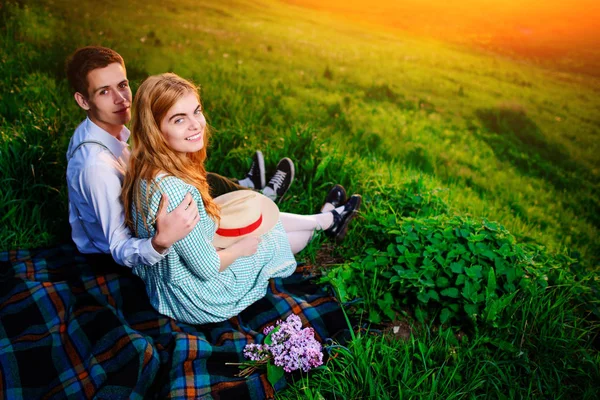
{"x": 419, "y": 127}
{"x": 510, "y": 142}
{"x": 555, "y": 34}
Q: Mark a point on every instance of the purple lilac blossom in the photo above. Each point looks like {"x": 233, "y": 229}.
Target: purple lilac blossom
{"x": 291, "y": 347}
{"x": 256, "y": 352}
{"x": 268, "y": 329}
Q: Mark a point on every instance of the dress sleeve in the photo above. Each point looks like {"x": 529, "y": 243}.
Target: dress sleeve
{"x": 196, "y": 249}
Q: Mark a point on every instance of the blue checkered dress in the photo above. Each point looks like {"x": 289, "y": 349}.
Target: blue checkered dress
{"x": 187, "y": 285}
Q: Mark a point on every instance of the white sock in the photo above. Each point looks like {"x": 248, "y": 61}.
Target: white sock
{"x": 324, "y": 221}
{"x": 327, "y": 207}
{"x": 246, "y": 182}
{"x": 329, "y": 218}
{"x": 295, "y": 222}
{"x": 316, "y": 222}
{"x": 270, "y": 193}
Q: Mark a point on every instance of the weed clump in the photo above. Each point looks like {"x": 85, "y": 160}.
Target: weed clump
{"x": 381, "y": 92}
{"x": 328, "y": 73}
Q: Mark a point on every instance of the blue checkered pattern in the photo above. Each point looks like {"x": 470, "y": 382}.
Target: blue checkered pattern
{"x": 186, "y": 284}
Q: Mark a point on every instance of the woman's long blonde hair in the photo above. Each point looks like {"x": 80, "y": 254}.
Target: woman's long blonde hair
{"x": 151, "y": 155}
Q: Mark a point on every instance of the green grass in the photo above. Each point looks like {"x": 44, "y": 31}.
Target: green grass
{"x": 534, "y": 356}
{"x": 418, "y": 127}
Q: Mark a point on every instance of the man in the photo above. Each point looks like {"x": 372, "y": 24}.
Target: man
{"x": 97, "y": 158}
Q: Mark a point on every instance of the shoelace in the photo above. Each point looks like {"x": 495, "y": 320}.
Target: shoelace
{"x": 277, "y": 179}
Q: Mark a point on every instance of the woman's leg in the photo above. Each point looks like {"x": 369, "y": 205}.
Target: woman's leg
{"x": 299, "y": 239}
{"x": 300, "y": 228}
{"x": 296, "y": 222}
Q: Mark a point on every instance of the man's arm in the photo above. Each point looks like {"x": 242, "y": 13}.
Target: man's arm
{"x": 174, "y": 226}
{"x": 196, "y": 249}
{"x": 101, "y": 188}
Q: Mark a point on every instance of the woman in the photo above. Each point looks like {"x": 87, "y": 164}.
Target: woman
{"x": 198, "y": 282}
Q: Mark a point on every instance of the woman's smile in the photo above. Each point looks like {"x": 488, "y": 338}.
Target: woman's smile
{"x": 195, "y": 137}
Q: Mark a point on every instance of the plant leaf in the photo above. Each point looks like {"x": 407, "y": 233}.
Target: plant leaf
{"x": 445, "y": 315}
{"x": 450, "y": 292}
{"x": 374, "y": 316}
{"x": 420, "y": 314}
{"x": 456, "y": 268}
{"x": 490, "y": 290}
{"x": 268, "y": 337}
{"x": 472, "y": 310}
{"x": 434, "y": 295}
{"x": 442, "y": 282}
{"x": 322, "y": 167}
{"x": 274, "y": 373}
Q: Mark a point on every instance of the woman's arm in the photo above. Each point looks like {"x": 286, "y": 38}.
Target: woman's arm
{"x": 244, "y": 248}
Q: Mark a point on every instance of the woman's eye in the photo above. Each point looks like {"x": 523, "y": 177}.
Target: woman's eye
{"x": 179, "y": 120}
{"x": 198, "y": 112}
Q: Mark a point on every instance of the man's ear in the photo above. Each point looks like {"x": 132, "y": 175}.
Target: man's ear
{"x": 82, "y": 101}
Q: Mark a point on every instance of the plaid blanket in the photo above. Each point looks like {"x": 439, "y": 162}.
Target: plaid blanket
{"x": 72, "y": 329}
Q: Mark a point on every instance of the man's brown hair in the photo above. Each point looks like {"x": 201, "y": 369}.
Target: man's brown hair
{"x": 87, "y": 59}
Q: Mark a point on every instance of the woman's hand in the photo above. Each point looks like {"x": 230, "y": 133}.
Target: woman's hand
{"x": 244, "y": 248}
{"x": 247, "y": 246}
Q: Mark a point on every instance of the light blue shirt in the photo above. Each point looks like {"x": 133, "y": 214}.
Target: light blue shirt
{"x": 94, "y": 180}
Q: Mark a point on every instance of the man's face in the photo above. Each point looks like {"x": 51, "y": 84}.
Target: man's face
{"x": 108, "y": 99}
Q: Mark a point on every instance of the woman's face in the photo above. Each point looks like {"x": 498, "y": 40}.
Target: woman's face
{"x": 183, "y": 126}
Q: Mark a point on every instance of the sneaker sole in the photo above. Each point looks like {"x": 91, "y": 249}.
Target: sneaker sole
{"x": 261, "y": 167}
{"x": 342, "y": 234}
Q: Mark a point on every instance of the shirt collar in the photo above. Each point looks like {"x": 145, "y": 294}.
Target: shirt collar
{"x": 115, "y": 145}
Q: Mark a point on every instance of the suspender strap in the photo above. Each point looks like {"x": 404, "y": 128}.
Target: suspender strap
{"x": 79, "y": 217}
{"x": 90, "y": 142}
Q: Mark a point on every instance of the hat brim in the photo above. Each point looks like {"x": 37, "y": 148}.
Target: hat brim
{"x": 270, "y": 216}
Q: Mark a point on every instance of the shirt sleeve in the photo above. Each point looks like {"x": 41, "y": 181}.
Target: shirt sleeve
{"x": 196, "y": 249}
{"x": 101, "y": 188}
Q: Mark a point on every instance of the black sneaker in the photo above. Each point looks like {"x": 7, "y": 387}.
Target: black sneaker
{"x": 281, "y": 181}
{"x": 338, "y": 229}
{"x": 336, "y": 197}
{"x": 257, "y": 171}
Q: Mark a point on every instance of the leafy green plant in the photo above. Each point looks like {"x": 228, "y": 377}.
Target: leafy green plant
{"x": 455, "y": 265}
{"x": 457, "y": 269}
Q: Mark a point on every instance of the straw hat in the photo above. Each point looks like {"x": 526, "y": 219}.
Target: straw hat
{"x": 244, "y": 213}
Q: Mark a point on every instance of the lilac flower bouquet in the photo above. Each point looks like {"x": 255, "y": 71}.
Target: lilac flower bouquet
{"x": 287, "y": 348}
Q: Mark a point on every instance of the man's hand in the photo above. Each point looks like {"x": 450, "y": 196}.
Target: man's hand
{"x": 174, "y": 226}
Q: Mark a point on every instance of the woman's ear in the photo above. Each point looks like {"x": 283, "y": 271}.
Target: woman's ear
{"x": 81, "y": 101}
